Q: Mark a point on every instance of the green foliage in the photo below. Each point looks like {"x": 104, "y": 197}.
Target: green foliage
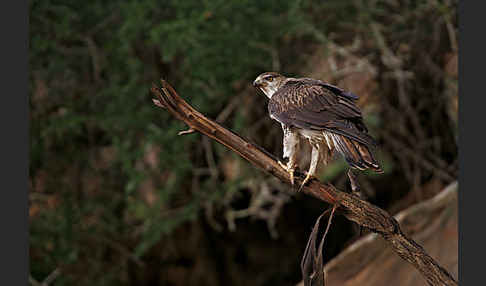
{"x": 110, "y": 179}
{"x": 91, "y": 66}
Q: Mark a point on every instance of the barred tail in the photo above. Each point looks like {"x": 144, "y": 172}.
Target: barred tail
{"x": 355, "y": 153}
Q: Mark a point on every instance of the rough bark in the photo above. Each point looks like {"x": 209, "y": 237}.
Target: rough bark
{"x": 367, "y": 261}
{"x": 352, "y": 207}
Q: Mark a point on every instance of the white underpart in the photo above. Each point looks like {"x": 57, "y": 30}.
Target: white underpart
{"x": 290, "y": 142}
{"x": 327, "y": 139}
{"x": 316, "y": 139}
{"x": 269, "y": 90}
{"x": 335, "y": 140}
{"x": 314, "y": 160}
{"x": 313, "y": 135}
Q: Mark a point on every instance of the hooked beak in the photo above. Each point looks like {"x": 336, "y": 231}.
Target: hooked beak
{"x": 257, "y": 83}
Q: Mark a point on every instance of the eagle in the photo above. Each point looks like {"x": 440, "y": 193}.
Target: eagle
{"x": 325, "y": 116}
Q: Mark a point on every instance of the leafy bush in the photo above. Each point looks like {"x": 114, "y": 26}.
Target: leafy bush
{"x": 111, "y": 183}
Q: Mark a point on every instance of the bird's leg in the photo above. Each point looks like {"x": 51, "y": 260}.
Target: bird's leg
{"x": 356, "y": 190}
{"x": 290, "y": 168}
{"x": 313, "y": 165}
{"x": 290, "y": 150}
{"x": 354, "y": 184}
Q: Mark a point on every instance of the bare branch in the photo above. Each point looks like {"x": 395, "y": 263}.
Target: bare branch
{"x": 352, "y": 207}
{"x": 188, "y": 131}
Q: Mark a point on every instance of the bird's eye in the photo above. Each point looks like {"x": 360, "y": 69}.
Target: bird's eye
{"x": 270, "y": 78}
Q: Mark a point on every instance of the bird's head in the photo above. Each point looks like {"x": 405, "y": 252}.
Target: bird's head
{"x": 269, "y": 82}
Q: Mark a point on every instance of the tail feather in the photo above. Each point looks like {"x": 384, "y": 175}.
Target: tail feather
{"x": 355, "y": 153}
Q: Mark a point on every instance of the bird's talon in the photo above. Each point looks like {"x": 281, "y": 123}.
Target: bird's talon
{"x": 289, "y": 169}
{"x": 291, "y": 176}
{"x": 307, "y": 178}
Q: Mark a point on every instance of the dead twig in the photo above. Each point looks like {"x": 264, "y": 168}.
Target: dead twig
{"x": 189, "y": 131}
{"x": 352, "y": 207}
{"x": 312, "y": 264}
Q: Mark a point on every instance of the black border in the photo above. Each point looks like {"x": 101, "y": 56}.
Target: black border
{"x": 15, "y": 126}
{"x": 472, "y": 146}
{"x": 15, "y": 143}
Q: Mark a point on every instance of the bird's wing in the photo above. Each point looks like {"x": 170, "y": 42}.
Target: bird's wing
{"x": 315, "y": 105}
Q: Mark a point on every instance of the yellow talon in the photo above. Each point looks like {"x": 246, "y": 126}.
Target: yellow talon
{"x": 289, "y": 170}
{"x": 307, "y": 178}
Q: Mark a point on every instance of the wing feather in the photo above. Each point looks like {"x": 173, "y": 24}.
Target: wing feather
{"x": 313, "y": 104}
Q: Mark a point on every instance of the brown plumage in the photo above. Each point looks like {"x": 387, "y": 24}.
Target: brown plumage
{"x": 322, "y": 113}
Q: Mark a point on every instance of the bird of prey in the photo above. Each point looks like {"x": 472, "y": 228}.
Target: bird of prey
{"x": 322, "y": 114}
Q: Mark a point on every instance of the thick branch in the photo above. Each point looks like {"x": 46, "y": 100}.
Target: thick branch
{"x": 353, "y": 208}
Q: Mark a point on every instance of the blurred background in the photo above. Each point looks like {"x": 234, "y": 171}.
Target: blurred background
{"x": 117, "y": 198}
